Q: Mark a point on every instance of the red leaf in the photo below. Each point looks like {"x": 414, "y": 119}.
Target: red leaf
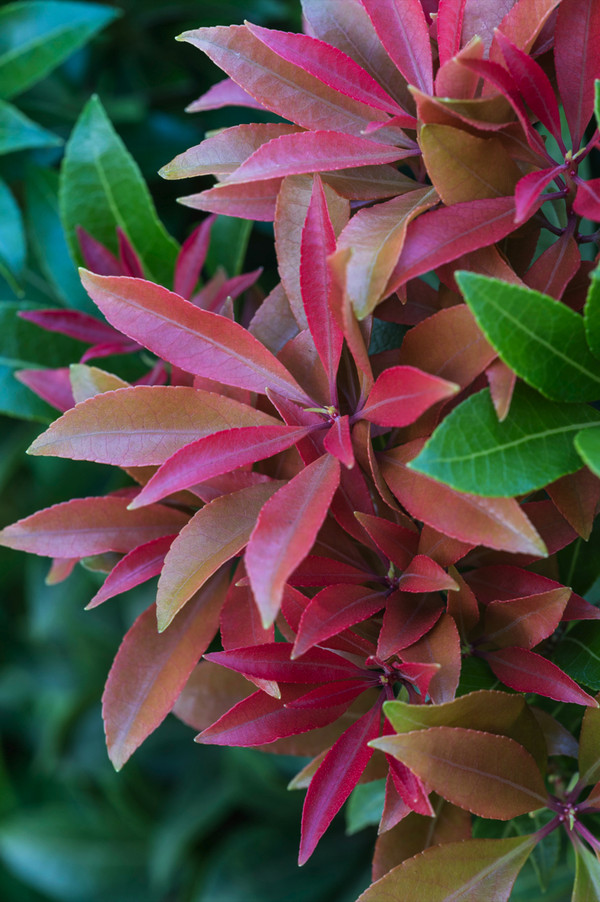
{"x": 441, "y": 548}
{"x": 409, "y": 787}
{"x": 403, "y": 31}
{"x": 332, "y": 695}
{"x": 442, "y": 235}
{"x": 131, "y": 265}
{"x": 240, "y": 621}
{"x": 577, "y": 61}
{"x": 151, "y": 669}
{"x": 286, "y": 529}
{"x": 534, "y": 85}
{"x": 555, "y": 267}
{"x": 73, "y": 323}
{"x": 587, "y": 200}
{"x": 424, "y": 575}
{"x": 213, "y": 536}
{"x": 197, "y": 341}
{"x": 215, "y": 455}
{"x": 191, "y": 259}
{"x": 335, "y": 779}
{"x": 398, "y": 543}
{"x": 338, "y": 441}
{"x": 136, "y": 567}
{"x": 528, "y": 191}
{"x": 449, "y": 28}
{"x": 322, "y": 571}
{"x": 96, "y": 256}
{"x": 525, "y": 622}
{"x": 254, "y": 200}
{"x": 501, "y": 381}
{"x": 527, "y": 671}
{"x": 273, "y": 662}
{"x": 52, "y": 385}
{"x": 441, "y": 645}
{"x": 87, "y": 526}
{"x": 223, "y": 93}
{"x": 402, "y": 393}
{"x": 576, "y": 496}
{"x": 334, "y": 609}
{"x": 407, "y": 618}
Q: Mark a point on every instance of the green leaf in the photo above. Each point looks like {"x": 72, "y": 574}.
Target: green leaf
{"x": 592, "y": 311}
{"x": 18, "y": 132}
{"x": 12, "y": 239}
{"x": 587, "y": 877}
{"x": 229, "y": 238}
{"x": 597, "y": 102}
{"x": 47, "y": 238}
{"x": 589, "y": 747}
{"x": 539, "y": 338}
{"x": 477, "y": 870}
{"x": 578, "y": 654}
{"x": 587, "y": 443}
{"x": 101, "y": 188}
{"x": 37, "y": 36}
{"x": 26, "y": 346}
{"x": 472, "y": 451}
{"x": 365, "y": 806}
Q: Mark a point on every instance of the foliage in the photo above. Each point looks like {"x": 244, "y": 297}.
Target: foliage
{"x": 366, "y": 557}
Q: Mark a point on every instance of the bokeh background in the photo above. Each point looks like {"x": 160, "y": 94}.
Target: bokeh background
{"x": 181, "y": 822}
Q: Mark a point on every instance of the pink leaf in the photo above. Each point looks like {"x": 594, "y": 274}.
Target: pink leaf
{"x": 449, "y": 28}
{"x": 131, "y": 265}
{"x": 151, "y": 669}
{"x": 443, "y": 235}
{"x": 273, "y": 662}
{"x": 314, "y": 151}
{"x": 402, "y": 393}
{"x": 96, "y": 256}
{"x": 213, "y": 536}
{"x": 502, "y": 381}
{"x": 139, "y": 565}
{"x": 587, "y": 200}
{"x": 191, "y": 259}
{"x": 87, "y": 526}
{"x": 424, "y": 575}
{"x": 332, "y": 610}
{"x": 240, "y": 622}
{"x": 223, "y": 93}
{"x": 534, "y": 85}
{"x": 409, "y": 787}
{"x": 338, "y": 441}
{"x": 332, "y": 695}
{"x": 403, "y": 31}
{"x": 335, "y": 779}
{"x": 528, "y": 191}
{"x": 197, "y": 341}
{"x": 527, "y": 671}
{"x": 73, "y": 323}
{"x": 577, "y": 61}
{"x": 255, "y": 200}
{"x": 53, "y": 386}
{"x": 286, "y": 529}
{"x": 331, "y": 66}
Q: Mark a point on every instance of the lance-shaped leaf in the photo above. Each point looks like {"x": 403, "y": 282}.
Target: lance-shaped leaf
{"x": 533, "y": 83}
{"x": 281, "y": 86}
{"x": 136, "y": 567}
{"x": 315, "y": 151}
{"x": 78, "y": 325}
{"x": 316, "y": 283}
{"x": 587, "y": 199}
{"x": 525, "y": 621}
{"x": 592, "y": 313}
{"x": 142, "y": 425}
{"x": 490, "y": 775}
{"x": 555, "y": 267}
{"x": 449, "y": 28}
{"x": 441, "y": 647}
{"x": 87, "y": 526}
{"x": 402, "y": 393}
{"x": 199, "y": 342}
{"x": 424, "y": 575}
{"x": 407, "y": 618}
{"x": 338, "y": 774}
{"x": 527, "y": 671}
{"x": 331, "y": 66}
{"x": 398, "y": 543}
{"x": 223, "y": 93}
{"x": 577, "y": 61}
{"x": 587, "y": 443}
{"x": 539, "y": 338}
{"x": 587, "y": 875}
{"x": 151, "y": 669}
{"x": 213, "y": 536}
{"x": 286, "y": 530}
{"x": 191, "y": 258}
{"x": 440, "y": 236}
{"x": 589, "y": 747}
{"x": 216, "y": 454}
{"x": 476, "y": 870}
{"x": 254, "y": 200}
{"x": 273, "y": 662}
{"x": 338, "y": 441}
{"x": 221, "y": 154}
{"x": 473, "y": 452}
{"x": 332, "y": 610}
{"x": 342, "y": 692}
{"x": 376, "y": 236}
{"x": 403, "y": 31}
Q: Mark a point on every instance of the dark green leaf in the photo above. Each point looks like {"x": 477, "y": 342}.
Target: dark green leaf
{"x": 12, "y": 238}
{"x": 18, "y": 132}
{"x": 597, "y": 102}
{"x": 589, "y": 747}
{"x": 38, "y": 35}
{"x": 578, "y": 654}
{"x": 101, "y": 188}
{"x": 587, "y": 443}
{"x": 365, "y": 806}
{"x": 539, "y": 338}
{"x": 592, "y": 311}
{"x": 229, "y": 238}
{"x": 473, "y": 452}
{"x": 587, "y": 877}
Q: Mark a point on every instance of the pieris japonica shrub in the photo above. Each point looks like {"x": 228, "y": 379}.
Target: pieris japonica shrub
{"x": 366, "y": 489}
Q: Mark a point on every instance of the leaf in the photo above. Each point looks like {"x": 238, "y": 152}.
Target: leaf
{"x": 539, "y": 338}
{"x": 12, "y": 239}
{"x": 333, "y": 609}
{"x": 526, "y": 671}
{"x": 473, "y": 452}
{"x": 254, "y": 200}
{"x": 87, "y": 526}
{"x": 403, "y": 31}
{"x": 376, "y": 236}
{"x": 402, "y": 393}
{"x": 280, "y": 86}
{"x": 313, "y": 151}
{"x": 494, "y": 522}
{"x": 136, "y": 567}
{"x": 199, "y": 342}
{"x": 589, "y": 747}
{"x": 525, "y": 622}
{"x": 442, "y": 235}
{"x": 89, "y": 381}
{"x": 223, "y": 93}
{"x": 475, "y": 870}
{"x": 449, "y": 26}
{"x": 335, "y": 779}
{"x": 578, "y": 654}
{"x": 213, "y": 536}
{"x": 38, "y": 36}
{"x": 273, "y": 662}
{"x": 587, "y": 443}
{"x": 503, "y": 779}
{"x": 286, "y": 530}
{"x": 592, "y": 313}
{"x": 533, "y": 83}
{"x": 142, "y": 425}
{"x": 587, "y": 876}
{"x": 529, "y": 191}
{"x": 18, "y": 132}
{"x": 101, "y": 188}
{"x": 440, "y": 647}
{"x": 576, "y": 57}
{"x": 464, "y": 167}
{"x": 151, "y": 669}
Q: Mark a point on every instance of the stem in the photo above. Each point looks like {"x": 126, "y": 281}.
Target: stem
{"x": 588, "y": 836}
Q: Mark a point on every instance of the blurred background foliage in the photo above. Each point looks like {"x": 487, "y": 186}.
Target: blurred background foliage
{"x": 182, "y": 822}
